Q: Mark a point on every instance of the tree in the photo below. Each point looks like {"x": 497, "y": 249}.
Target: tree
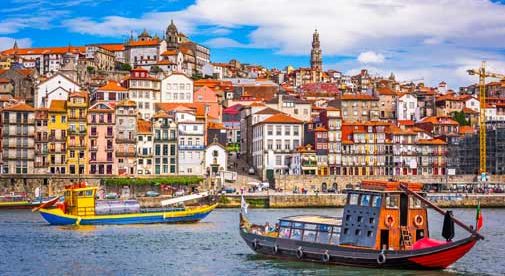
{"x": 155, "y": 69}
{"x": 124, "y": 67}
{"x": 90, "y": 69}
{"x": 459, "y": 116}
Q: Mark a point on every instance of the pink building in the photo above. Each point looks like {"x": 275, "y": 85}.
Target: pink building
{"x": 210, "y": 98}
{"x": 101, "y": 122}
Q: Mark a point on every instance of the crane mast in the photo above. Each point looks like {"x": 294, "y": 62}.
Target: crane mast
{"x": 482, "y": 73}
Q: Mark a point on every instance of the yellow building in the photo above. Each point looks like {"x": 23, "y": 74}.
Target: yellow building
{"x": 77, "y": 152}
{"x": 57, "y": 129}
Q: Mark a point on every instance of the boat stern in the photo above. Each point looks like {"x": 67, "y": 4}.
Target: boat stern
{"x": 57, "y": 217}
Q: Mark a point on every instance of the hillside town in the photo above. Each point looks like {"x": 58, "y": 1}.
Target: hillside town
{"x": 159, "y": 105}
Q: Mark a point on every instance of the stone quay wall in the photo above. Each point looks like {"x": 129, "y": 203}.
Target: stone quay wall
{"x": 312, "y": 182}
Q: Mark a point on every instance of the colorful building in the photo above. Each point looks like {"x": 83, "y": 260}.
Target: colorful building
{"x": 57, "y": 127}
{"x": 77, "y": 146}
{"x": 101, "y": 122}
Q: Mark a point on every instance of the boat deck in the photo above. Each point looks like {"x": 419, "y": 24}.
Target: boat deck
{"x": 315, "y": 219}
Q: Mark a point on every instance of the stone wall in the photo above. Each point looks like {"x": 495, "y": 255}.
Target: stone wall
{"x": 311, "y": 182}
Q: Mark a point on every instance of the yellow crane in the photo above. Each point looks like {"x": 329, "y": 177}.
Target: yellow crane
{"x": 483, "y": 74}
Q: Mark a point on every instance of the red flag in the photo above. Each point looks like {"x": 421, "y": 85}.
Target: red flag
{"x": 479, "y": 218}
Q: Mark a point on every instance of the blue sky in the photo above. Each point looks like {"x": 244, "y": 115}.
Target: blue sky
{"x": 429, "y": 39}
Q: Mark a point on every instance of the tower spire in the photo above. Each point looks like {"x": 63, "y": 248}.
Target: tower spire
{"x": 316, "y": 55}
{"x": 15, "y": 45}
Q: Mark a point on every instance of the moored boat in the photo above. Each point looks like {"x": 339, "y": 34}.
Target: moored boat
{"x": 81, "y": 208}
{"x": 384, "y": 225}
{"x": 20, "y": 201}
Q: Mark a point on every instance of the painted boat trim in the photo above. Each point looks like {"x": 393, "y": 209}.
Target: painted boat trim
{"x": 57, "y": 217}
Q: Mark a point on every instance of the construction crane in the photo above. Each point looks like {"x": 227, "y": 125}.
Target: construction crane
{"x": 483, "y": 74}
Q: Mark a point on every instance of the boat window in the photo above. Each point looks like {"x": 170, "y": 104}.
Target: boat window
{"x": 365, "y": 200}
{"x": 296, "y": 234}
{"x": 285, "y": 223}
{"x": 309, "y": 235}
{"x": 335, "y": 237}
{"x": 376, "y": 201}
{"x": 323, "y": 236}
{"x": 298, "y": 225}
{"x": 284, "y": 232}
{"x": 392, "y": 201}
{"x": 310, "y": 226}
{"x": 415, "y": 203}
{"x": 353, "y": 199}
{"x": 88, "y": 193}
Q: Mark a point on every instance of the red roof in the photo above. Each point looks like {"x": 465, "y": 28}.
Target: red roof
{"x": 140, "y": 43}
{"x": 112, "y": 85}
{"x": 19, "y": 107}
{"x": 281, "y": 118}
{"x": 143, "y": 126}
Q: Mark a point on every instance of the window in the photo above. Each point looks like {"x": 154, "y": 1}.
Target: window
{"x": 376, "y": 202}
{"x": 278, "y": 160}
{"x": 365, "y": 200}
{"x": 415, "y": 203}
{"x": 295, "y": 130}
{"x": 287, "y": 130}
{"x": 278, "y": 130}
{"x": 353, "y": 199}
{"x": 392, "y": 201}
{"x": 270, "y": 130}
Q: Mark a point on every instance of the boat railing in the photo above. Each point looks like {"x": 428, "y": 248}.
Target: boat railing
{"x": 162, "y": 209}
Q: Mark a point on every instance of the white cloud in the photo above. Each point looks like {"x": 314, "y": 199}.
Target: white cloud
{"x": 429, "y": 37}
{"x": 370, "y": 57}
{"x": 7, "y": 42}
{"x": 223, "y": 42}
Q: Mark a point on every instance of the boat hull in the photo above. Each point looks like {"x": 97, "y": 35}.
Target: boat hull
{"x": 57, "y": 217}
{"x": 433, "y": 258}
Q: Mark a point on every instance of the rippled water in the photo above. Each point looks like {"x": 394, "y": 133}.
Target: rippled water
{"x": 28, "y": 246}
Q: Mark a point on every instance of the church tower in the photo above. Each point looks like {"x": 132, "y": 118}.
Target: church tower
{"x": 172, "y": 36}
{"x": 316, "y": 56}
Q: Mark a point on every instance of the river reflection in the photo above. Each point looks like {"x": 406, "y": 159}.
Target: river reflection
{"x": 211, "y": 247}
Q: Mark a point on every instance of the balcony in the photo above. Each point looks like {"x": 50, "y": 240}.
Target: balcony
{"x": 109, "y": 135}
{"x": 93, "y": 135}
{"x": 76, "y": 118}
{"x": 126, "y": 140}
{"x": 41, "y": 151}
{"x": 309, "y": 164}
{"x": 93, "y": 148}
{"x": 194, "y": 147}
{"x": 77, "y": 146}
{"x": 125, "y": 154}
{"x": 77, "y": 131}
{"x": 41, "y": 164}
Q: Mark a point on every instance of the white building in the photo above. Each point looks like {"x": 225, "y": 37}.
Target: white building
{"x": 273, "y": 142}
{"x": 145, "y": 50}
{"x": 144, "y": 90}
{"x": 177, "y": 88}
{"x": 472, "y": 103}
{"x": 191, "y": 144}
{"x": 216, "y": 159}
{"x": 406, "y": 107}
{"x": 57, "y": 87}
{"x": 210, "y": 69}
{"x": 295, "y": 107}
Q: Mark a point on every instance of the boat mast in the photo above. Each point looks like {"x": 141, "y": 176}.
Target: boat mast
{"x": 441, "y": 211}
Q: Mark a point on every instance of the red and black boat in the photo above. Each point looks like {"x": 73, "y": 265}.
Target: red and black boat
{"x": 384, "y": 225}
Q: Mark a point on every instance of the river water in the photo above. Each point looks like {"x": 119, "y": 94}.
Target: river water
{"x": 28, "y": 246}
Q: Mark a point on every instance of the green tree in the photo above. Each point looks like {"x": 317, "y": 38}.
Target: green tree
{"x": 459, "y": 116}
{"x": 90, "y": 69}
{"x": 155, "y": 69}
{"x": 124, "y": 67}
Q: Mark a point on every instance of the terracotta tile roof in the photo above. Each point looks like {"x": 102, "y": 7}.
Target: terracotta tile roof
{"x": 20, "y": 107}
{"x": 212, "y": 125}
{"x": 58, "y": 106}
{"x": 46, "y": 50}
{"x": 320, "y": 129}
{"x": 267, "y": 110}
{"x": 470, "y": 111}
{"x": 406, "y": 122}
{"x": 431, "y": 142}
{"x": 466, "y": 130}
{"x": 358, "y": 97}
{"x": 4, "y": 80}
{"x": 144, "y": 127}
{"x": 139, "y": 43}
{"x": 78, "y": 94}
{"x": 439, "y": 120}
{"x": 161, "y": 114}
{"x": 258, "y": 104}
{"x": 281, "y": 118}
{"x": 112, "y": 85}
{"x": 169, "y": 53}
{"x": 117, "y": 47}
{"x": 198, "y": 108}
{"x": 386, "y": 92}
{"x": 165, "y": 62}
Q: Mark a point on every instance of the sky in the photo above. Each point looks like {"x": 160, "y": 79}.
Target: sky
{"x": 424, "y": 40}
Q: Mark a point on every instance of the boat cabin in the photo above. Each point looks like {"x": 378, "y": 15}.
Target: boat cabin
{"x": 80, "y": 200}
{"x": 310, "y": 228}
{"x": 381, "y": 215}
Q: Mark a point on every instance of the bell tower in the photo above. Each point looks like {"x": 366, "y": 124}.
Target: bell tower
{"x": 172, "y": 36}
{"x": 316, "y": 55}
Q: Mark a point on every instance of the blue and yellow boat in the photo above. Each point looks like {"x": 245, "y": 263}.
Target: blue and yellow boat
{"x": 81, "y": 208}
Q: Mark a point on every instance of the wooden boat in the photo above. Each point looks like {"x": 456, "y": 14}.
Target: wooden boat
{"x": 384, "y": 225}
{"x": 20, "y": 201}
{"x": 81, "y": 208}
